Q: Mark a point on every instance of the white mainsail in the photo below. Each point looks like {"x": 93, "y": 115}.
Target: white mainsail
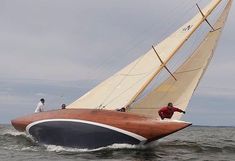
{"x": 188, "y": 76}
{"x": 123, "y": 87}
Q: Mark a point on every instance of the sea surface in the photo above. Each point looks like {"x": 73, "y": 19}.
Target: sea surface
{"x": 192, "y": 143}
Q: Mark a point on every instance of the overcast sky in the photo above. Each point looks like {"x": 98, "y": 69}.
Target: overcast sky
{"x": 59, "y": 49}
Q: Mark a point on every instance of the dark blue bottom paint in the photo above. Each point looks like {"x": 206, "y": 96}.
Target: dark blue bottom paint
{"x": 77, "y": 134}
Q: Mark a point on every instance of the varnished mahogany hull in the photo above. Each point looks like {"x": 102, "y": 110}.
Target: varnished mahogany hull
{"x": 85, "y": 128}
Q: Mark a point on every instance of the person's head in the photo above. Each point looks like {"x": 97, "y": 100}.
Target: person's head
{"x": 170, "y": 104}
{"x": 42, "y": 100}
{"x": 63, "y": 106}
{"x": 123, "y": 109}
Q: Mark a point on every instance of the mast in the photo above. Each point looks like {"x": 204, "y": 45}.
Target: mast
{"x": 188, "y": 76}
{"x": 189, "y": 26}
{"x": 121, "y": 89}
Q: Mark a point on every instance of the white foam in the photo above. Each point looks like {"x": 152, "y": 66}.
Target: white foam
{"x": 13, "y": 132}
{"x": 30, "y": 148}
{"x": 55, "y": 148}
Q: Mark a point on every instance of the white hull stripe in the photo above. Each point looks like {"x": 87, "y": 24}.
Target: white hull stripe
{"x": 136, "y": 136}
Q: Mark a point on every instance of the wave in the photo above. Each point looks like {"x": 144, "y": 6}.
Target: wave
{"x": 12, "y": 132}
{"x": 196, "y": 146}
{"x": 55, "y": 148}
{"x": 20, "y": 141}
{"x": 23, "y": 142}
{"x": 11, "y": 139}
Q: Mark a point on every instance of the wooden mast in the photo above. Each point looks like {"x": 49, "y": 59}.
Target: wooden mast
{"x": 188, "y": 26}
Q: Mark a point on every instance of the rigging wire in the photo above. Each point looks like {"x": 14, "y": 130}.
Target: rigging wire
{"x": 161, "y": 78}
{"x": 193, "y": 46}
{"x": 176, "y": 22}
{"x": 129, "y": 52}
{"x": 195, "y": 40}
{"x": 166, "y": 76}
{"x": 124, "y": 77}
{"x": 140, "y": 79}
{"x": 173, "y": 16}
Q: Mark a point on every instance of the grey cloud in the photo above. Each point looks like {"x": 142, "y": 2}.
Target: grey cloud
{"x": 81, "y": 35}
{"x": 85, "y": 41}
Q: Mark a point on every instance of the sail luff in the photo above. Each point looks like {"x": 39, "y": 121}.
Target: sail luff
{"x": 188, "y": 76}
{"x": 176, "y": 49}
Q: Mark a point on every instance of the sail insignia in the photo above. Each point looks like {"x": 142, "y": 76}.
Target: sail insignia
{"x": 187, "y": 28}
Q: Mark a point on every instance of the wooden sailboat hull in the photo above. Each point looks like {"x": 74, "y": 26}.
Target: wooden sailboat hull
{"x": 85, "y": 128}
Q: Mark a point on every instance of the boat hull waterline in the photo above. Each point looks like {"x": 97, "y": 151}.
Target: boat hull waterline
{"x": 86, "y": 128}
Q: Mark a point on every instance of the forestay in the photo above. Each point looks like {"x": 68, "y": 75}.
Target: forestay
{"x": 188, "y": 76}
{"x": 123, "y": 87}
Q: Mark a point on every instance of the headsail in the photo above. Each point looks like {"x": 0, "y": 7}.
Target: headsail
{"x": 188, "y": 76}
{"x": 123, "y": 87}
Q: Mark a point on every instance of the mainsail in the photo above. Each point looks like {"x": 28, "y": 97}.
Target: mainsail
{"x": 123, "y": 87}
{"x": 188, "y": 76}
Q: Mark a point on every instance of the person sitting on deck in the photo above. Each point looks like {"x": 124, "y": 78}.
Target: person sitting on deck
{"x": 63, "y": 106}
{"x": 168, "y": 111}
{"x": 40, "y": 106}
{"x": 123, "y": 109}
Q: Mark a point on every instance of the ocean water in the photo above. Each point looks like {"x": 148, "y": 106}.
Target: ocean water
{"x": 192, "y": 143}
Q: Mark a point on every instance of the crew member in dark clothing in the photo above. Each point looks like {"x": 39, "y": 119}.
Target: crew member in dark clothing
{"x": 168, "y": 111}
{"x": 63, "y": 106}
{"x": 123, "y": 109}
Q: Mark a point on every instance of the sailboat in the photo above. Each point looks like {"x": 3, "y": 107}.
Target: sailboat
{"x": 94, "y": 121}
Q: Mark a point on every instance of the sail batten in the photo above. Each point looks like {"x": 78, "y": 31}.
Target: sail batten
{"x": 121, "y": 89}
{"x": 188, "y": 76}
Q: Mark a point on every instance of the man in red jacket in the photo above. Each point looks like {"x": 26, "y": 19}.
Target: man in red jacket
{"x": 167, "y": 112}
